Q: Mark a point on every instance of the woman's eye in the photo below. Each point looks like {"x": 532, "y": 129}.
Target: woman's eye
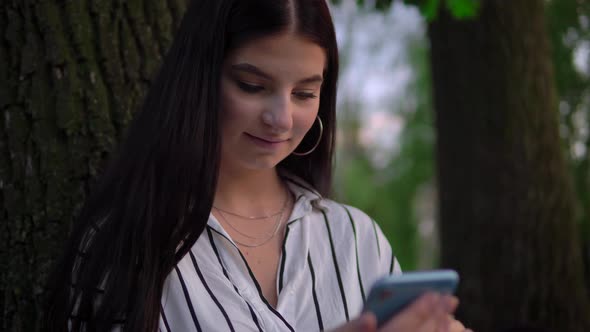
{"x": 304, "y": 95}
{"x": 249, "y": 88}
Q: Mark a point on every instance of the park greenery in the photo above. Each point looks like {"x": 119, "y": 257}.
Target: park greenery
{"x": 390, "y": 193}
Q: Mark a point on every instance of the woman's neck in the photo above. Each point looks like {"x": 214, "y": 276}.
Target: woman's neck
{"x": 250, "y": 192}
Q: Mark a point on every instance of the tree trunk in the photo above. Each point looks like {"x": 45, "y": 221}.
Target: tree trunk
{"x": 71, "y": 74}
{"x": 506, "y": 200}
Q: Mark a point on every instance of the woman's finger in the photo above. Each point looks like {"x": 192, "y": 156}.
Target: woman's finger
{"x": 422, "y": 314}
{"x": 450, "y": 303}
{"x": 455, "y": 325}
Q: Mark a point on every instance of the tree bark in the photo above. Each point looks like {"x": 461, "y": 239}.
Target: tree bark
{"x": 72, "y": 72}
{"x": 506, "y": 199}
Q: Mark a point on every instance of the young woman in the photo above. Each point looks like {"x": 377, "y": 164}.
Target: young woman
{"x": 214, "y": 215}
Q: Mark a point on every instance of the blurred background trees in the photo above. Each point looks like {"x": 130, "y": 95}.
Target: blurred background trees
{"x": 505, "y": 191}
{"x": 510, "y": 219}
{"x": 511, "y": 113}
{"x": 569, "y": 28}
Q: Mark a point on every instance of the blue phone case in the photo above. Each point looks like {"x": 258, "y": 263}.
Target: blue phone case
{"x": 392, "y": 293}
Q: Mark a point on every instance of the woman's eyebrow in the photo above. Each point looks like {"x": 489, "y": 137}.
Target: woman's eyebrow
{"x": 248, "y": 68}
{"x": 312, "y": 79}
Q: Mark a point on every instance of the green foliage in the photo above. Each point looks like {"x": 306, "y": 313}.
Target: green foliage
{"x": 379, "y": 4}
{"x": 461, "y": 9}
{"x": 389, "y": 194}
{"x": 413, "y": 167}
{"x": 569, "y": 28}
{"x": 428, "y": 8}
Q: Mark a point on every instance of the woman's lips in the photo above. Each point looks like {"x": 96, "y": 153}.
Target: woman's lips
{"x": 266, "y": 142}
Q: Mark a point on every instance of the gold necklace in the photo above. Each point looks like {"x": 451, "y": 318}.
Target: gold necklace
{"x": 267, "y": 216}
{"x": 244, "y": 234}
{"x": 262, "y": 240}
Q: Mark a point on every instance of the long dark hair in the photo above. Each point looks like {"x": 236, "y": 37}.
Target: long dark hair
{"x": 154, "y": 199}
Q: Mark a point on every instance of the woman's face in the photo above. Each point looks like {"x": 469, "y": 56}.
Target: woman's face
{"x": 270, "y": 96}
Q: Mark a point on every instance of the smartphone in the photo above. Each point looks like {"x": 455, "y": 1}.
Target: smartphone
{"x": 390, "y": 294}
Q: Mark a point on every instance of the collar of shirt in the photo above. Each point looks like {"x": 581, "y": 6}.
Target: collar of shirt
{"x": 306, "y": 199}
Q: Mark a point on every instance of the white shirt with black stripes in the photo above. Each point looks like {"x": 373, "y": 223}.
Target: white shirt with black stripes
{"x": 331, "y": 255}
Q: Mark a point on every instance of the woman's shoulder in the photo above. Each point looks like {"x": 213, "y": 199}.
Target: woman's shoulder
{"x": 345, "y": 215}
{"x": 337, "y": 208}
{"x": 371, "y": 245}
{"x": 337, "y": 214}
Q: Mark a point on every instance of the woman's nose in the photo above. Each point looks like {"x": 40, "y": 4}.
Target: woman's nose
{"x": 278, "y": 113}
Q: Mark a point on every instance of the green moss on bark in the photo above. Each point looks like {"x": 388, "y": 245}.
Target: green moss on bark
{"x": 72, "y": 73}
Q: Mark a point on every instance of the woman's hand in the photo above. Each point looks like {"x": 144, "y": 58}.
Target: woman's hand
{"x": 429, "y": 313}
{"x": 457, "y": 326}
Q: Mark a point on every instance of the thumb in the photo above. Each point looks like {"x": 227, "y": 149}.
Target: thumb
{"x": 367, "y": 322}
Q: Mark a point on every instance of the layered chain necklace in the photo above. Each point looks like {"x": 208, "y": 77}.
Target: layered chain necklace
{"x": 258, "y": 241}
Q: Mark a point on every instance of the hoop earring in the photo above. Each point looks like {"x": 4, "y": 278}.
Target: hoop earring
{"x": 316, "y": 143}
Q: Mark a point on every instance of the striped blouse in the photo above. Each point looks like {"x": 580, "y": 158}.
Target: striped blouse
{"x": 331, "y": 255}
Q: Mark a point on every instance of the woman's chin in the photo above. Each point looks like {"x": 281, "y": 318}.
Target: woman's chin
{"x": 261, "y": 163}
